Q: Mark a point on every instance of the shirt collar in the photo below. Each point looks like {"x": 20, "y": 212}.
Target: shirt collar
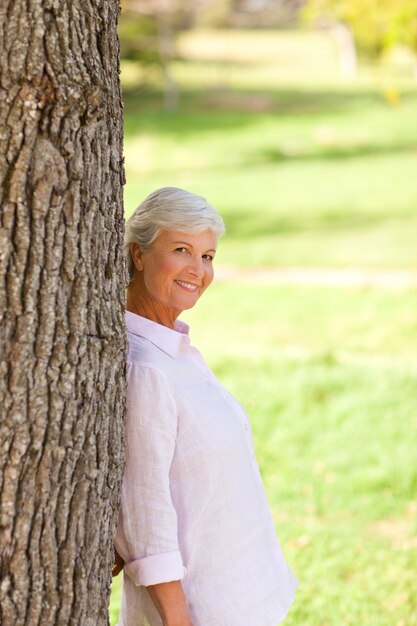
{"x": 167, "y": 339}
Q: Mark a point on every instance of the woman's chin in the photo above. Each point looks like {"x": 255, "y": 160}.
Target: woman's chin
{"x": 188, "y": 302}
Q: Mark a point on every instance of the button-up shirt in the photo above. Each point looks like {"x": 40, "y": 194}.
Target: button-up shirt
{"x": 193, "y": 506}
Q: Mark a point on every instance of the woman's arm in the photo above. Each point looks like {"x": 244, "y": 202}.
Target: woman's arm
{"x": 169, "y": 598}
{"x": 170, "y": 602}
{"x": 146, "y": 538}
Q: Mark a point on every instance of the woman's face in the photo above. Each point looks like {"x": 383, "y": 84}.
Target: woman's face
{"x": 176, "y": 270}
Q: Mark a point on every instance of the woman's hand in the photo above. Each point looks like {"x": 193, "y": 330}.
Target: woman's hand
{"x": 118, "y": 564}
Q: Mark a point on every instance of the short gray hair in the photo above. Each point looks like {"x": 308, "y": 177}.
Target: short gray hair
{"x": 169, "y": 208}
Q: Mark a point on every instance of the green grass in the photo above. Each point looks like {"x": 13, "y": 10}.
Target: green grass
{"x": 326, "y": 189}
{"x": 307, "y": 171}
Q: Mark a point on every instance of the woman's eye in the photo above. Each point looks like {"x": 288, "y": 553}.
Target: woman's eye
{"x": 181, "y": 250}
{"x": 208, "y": 257}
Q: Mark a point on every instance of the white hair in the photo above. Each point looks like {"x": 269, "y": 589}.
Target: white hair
{"x": 169, "y": 208}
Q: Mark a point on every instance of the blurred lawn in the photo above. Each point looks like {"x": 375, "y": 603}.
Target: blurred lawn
{"x": 307, "y": 171}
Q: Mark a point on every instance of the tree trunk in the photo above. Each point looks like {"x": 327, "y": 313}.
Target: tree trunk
{"x": 62, "y": 338}
{"x": 348, "y": 63}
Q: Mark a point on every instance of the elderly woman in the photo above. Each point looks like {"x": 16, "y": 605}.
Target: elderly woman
{"x": 195, "y": 532}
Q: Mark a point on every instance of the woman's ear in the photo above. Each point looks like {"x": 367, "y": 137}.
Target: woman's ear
{"x": 136, "y": 252}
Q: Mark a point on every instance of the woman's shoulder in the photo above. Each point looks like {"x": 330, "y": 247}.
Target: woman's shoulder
{"x": 150, "y": 397}
{"x": 143, "y": 354}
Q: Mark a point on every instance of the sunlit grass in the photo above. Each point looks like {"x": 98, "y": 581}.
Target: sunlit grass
{"x": 266, "y": 321}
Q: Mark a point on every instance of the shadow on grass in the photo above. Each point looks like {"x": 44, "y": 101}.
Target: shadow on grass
{"x": 252, "y": 223}
{"x": 144, "y": 113}
{"x": 222, "y": 108}
{"x": 333, "y": 153}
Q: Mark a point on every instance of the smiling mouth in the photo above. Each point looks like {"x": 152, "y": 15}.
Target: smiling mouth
{"x": 187, "y": 286}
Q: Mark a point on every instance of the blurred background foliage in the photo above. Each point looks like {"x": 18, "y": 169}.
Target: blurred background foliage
{"x": 297, "y": 120}
{"x": 149, "y": 28}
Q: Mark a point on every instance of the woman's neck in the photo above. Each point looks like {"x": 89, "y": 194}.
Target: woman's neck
{"x": 138, "y": 301}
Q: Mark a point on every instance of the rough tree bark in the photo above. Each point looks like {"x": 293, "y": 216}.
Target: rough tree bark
{"x": 62, "y": 338}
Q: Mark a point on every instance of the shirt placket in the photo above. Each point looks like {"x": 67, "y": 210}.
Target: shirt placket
{"x": 235, "y": 406}
{"x": 244, "y": 419}
{"x": 273, "y": 538}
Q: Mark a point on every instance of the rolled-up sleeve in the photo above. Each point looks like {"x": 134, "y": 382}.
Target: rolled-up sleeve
{"x": 147, "y": 537}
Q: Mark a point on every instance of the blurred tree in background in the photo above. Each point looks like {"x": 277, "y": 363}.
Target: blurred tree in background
{"x": 375, "y": 25}
{"x": 403, "y": 28}
{"x": 147, "y": 34}
{"x": 149, "y": 28}
{"x": 247, "y": 13}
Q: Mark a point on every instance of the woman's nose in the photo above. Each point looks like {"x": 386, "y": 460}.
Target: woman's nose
{"x": 196, "y": 267}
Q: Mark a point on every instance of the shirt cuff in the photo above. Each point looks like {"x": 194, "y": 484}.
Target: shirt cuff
{"x": 158, "y": 568}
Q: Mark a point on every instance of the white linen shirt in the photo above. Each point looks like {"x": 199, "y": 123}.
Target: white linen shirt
{"x": 193, "y": 507}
